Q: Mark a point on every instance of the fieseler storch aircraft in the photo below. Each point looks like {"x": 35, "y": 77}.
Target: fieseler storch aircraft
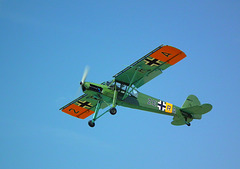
{"x": 122, "y": 91}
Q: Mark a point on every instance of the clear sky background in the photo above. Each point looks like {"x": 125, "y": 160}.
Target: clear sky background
{"x": 44, "y": 47}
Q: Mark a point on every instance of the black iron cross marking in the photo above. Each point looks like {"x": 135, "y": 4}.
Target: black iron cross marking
{"x": 162, "y": 105}
{"x": 84, "y": 104}
{"x": 152, "y": 62}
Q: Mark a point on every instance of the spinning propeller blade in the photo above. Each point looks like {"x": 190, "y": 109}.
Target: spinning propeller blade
{"x": 85, "y": 74}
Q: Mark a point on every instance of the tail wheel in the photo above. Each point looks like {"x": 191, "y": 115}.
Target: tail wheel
{"x": 91, "y": 123}
{"x": 187, "y": 123}
{"x": 113, "y": 111}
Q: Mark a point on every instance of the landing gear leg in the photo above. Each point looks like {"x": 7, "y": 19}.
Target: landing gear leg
{"x": 91, "y": 123}
{"x": 113, "y": 110}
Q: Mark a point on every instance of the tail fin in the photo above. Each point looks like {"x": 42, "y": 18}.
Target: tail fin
{"x": 191, "y": 109}
{"x": 193, "y": 106}
{"x": 191, "y": 101}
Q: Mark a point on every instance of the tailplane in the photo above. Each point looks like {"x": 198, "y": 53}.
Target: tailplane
{"x": 191, "y": 109}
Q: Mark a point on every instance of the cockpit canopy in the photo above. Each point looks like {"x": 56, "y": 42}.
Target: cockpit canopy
{"x": 122, "y": 88}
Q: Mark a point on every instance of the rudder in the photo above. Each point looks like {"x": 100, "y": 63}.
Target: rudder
{"x": 191, "y": 101}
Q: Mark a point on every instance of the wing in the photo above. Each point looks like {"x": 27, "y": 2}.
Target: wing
{"x": 82, "y": 107}
{"x": 150, "y": 66}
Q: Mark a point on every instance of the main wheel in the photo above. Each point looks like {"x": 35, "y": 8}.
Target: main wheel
{"x": 91, "y": 123}
{"x": 188, "y": 124}
{"x": 113, "y": 111}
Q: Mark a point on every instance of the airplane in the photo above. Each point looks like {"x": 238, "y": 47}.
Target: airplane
{"x": 122, "y": 91}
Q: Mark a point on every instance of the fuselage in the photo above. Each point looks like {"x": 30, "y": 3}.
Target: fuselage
{"x": 129, "y": 97}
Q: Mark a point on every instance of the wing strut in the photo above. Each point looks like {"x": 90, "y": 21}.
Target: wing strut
{"x": 130, "y": 84}
{"x": 115, "y": 95}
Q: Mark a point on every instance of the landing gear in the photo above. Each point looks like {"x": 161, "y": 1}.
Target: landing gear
{"x": 113, "y": 111}
{"x": 186, "y": 116}
{"x": 91, "y": 123}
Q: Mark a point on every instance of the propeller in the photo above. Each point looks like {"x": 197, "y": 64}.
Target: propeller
{"x": 85, "y": 73}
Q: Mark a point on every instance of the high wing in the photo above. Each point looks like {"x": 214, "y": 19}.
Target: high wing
{"x": 82, "y": 107}
{"x": 149, "y": 66}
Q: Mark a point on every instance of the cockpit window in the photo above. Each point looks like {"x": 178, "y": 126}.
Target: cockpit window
{"x": 134, "y": 92}
{"x": 108, "y": 83}
{"x": 122, "y": 88}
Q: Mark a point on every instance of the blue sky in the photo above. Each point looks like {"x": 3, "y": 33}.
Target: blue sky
{"x": 44, "y": 47}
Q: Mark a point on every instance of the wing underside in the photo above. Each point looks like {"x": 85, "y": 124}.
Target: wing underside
{"x": 82, "y": 107}
{"x": 150, "y": 66}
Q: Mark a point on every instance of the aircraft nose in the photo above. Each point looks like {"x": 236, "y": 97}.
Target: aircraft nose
{"x": 83, "y": 88}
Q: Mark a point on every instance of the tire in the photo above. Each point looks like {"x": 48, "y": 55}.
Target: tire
{"x": 113, "y": 111}
{"x": 91, "y": 123}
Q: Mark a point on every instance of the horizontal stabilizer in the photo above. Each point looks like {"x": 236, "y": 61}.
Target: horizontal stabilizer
{"x": 198, "y": 109}
{"x": 178, "y": 123}
{"x": 179, "y": 120}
